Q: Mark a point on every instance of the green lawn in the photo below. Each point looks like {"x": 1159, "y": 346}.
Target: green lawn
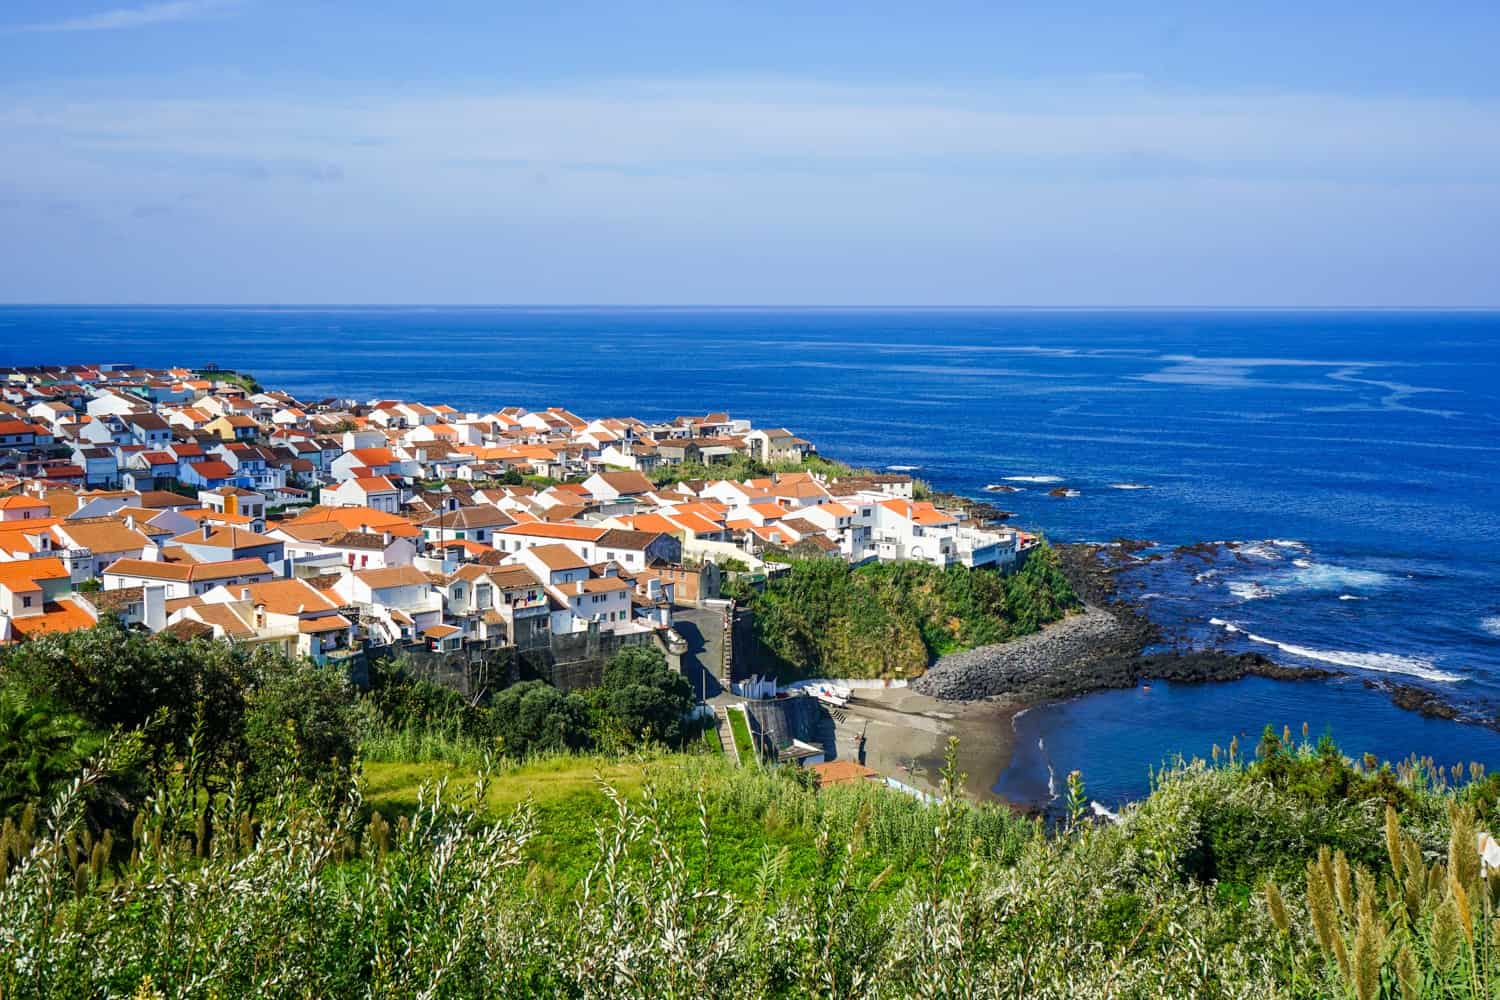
{"x": 739, "y": 725}
{"x": 392, "y": 787}
{"x": 571, "y": 808}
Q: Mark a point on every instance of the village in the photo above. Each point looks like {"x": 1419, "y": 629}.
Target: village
{"x": 194, "y": 503}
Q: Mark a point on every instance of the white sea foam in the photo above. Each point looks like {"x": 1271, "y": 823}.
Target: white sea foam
{"x": 1310, "y": 576}
{"x": 1249, "y": 590}
{"x": 1325, "y": 576}
{"x": 1385, "y": 663}
{"x": 1128, "y": 486}
{"x": 903, "y": 468}
{"x": 1033, "y": 479}
{"x": 1491, "y": 624}
{"x": 1352, "y": 597}
{"x": 1260, "y": 550}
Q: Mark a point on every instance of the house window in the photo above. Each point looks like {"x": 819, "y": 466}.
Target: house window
{"x": 26, "y": 602}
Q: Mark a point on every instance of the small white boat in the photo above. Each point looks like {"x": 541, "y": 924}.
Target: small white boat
{"x": 832, "y": 694}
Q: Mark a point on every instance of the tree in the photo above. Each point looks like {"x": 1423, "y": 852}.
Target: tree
{"x": 115, "y": 678}
{"x": 42, "y": 745}
{"x": 298, "y": 717}
{"x": 645, "y": 697}
{"x": 533, "y": 717}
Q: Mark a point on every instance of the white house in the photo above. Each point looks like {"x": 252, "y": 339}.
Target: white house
{"x": 375, "y": 492}
{"x": 185, "y": 579}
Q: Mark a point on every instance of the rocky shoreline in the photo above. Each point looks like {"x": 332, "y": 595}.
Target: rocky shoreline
{"x": 1094, "y": 650}
{"x": 1105, "y": 646}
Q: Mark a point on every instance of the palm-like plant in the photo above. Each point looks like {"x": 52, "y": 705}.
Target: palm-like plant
{"x": 41, "y": 746}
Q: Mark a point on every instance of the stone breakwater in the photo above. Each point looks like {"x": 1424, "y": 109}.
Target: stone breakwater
{"x": 1088, "y": 651}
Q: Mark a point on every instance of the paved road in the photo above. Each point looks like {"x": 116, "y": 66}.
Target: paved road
{"x": 701, "y": 664}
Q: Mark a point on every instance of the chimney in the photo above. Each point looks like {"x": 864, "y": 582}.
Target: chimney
{"x": 244, "y": 593}
{"x": 385, "y": 537}
{"x": 130, "y": 521}
{"x": 578, "y": 587}
{"x": 154, "y": 608}
{"x": 207, "y": 530}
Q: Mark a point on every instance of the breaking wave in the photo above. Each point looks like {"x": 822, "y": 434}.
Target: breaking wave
{"x": 1385, "y": 663}
{"x": 1491, "y": 624}
{"x": 1313, "y": 577}
{"x": 1322, "y": 576}
{"x": 1033, "y": 479}
{"x": 1250, "y": 590}
{"x": 1128, "y": 486}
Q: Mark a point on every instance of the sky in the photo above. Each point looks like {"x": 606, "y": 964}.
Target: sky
{"x": 486, "y": 152}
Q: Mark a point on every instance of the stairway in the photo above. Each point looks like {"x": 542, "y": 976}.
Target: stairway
{"x": 726, "y": 735}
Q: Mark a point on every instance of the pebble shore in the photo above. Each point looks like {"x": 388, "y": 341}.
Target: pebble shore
{"x": 1088, "y": 651}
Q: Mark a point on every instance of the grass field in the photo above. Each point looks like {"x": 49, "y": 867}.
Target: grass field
{"x": 571, "y": 808}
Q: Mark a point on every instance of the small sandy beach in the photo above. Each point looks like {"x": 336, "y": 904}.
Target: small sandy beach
{"x": 907, "y": 733}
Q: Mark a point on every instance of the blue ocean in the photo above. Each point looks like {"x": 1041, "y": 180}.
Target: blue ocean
{"x": 1354, "y": 457}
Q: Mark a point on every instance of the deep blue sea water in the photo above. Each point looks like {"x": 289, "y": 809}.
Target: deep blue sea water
{"x": 1356, "y": 454}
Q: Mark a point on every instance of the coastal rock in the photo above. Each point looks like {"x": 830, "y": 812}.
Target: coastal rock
{"x": 1086, "y": 652}
{"x": 1420, "y": 700}
{"x": 1062, "y": 491}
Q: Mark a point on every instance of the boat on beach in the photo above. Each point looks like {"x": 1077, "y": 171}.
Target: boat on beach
{"x": 834, "y": 695}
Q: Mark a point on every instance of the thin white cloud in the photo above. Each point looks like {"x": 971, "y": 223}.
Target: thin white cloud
{"x": 132, "y": 17}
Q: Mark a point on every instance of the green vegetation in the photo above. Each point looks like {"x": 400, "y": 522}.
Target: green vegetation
{"x": 213, "y": 715}
{"x": 741, "y": 467}
{"x": 233, "y": 377}
{"x": 744, "y": 744}
{"x": 1297, "y": 874}
{"x": 639, "y": 702}
{"x": 195, "y": 819}
{"x": 823, "y": 619}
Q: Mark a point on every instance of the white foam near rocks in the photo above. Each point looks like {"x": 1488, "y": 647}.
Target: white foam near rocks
{"x": 1385, "y": 663}
{"x": 1249, "y": 590}
{"x": 1259, "y": 550}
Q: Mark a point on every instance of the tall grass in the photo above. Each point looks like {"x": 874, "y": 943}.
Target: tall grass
{"x": 1295, "y": 876}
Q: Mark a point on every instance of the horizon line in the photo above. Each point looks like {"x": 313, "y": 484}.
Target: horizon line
{"x": 746, "y": 307}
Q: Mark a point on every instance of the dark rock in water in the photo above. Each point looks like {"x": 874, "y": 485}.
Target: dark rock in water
{"x": 1061, "y": 491}
{"x": 1419, "y": 700}
{"x": 1207, "y": 551}
{"x": 987, "y": 512}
